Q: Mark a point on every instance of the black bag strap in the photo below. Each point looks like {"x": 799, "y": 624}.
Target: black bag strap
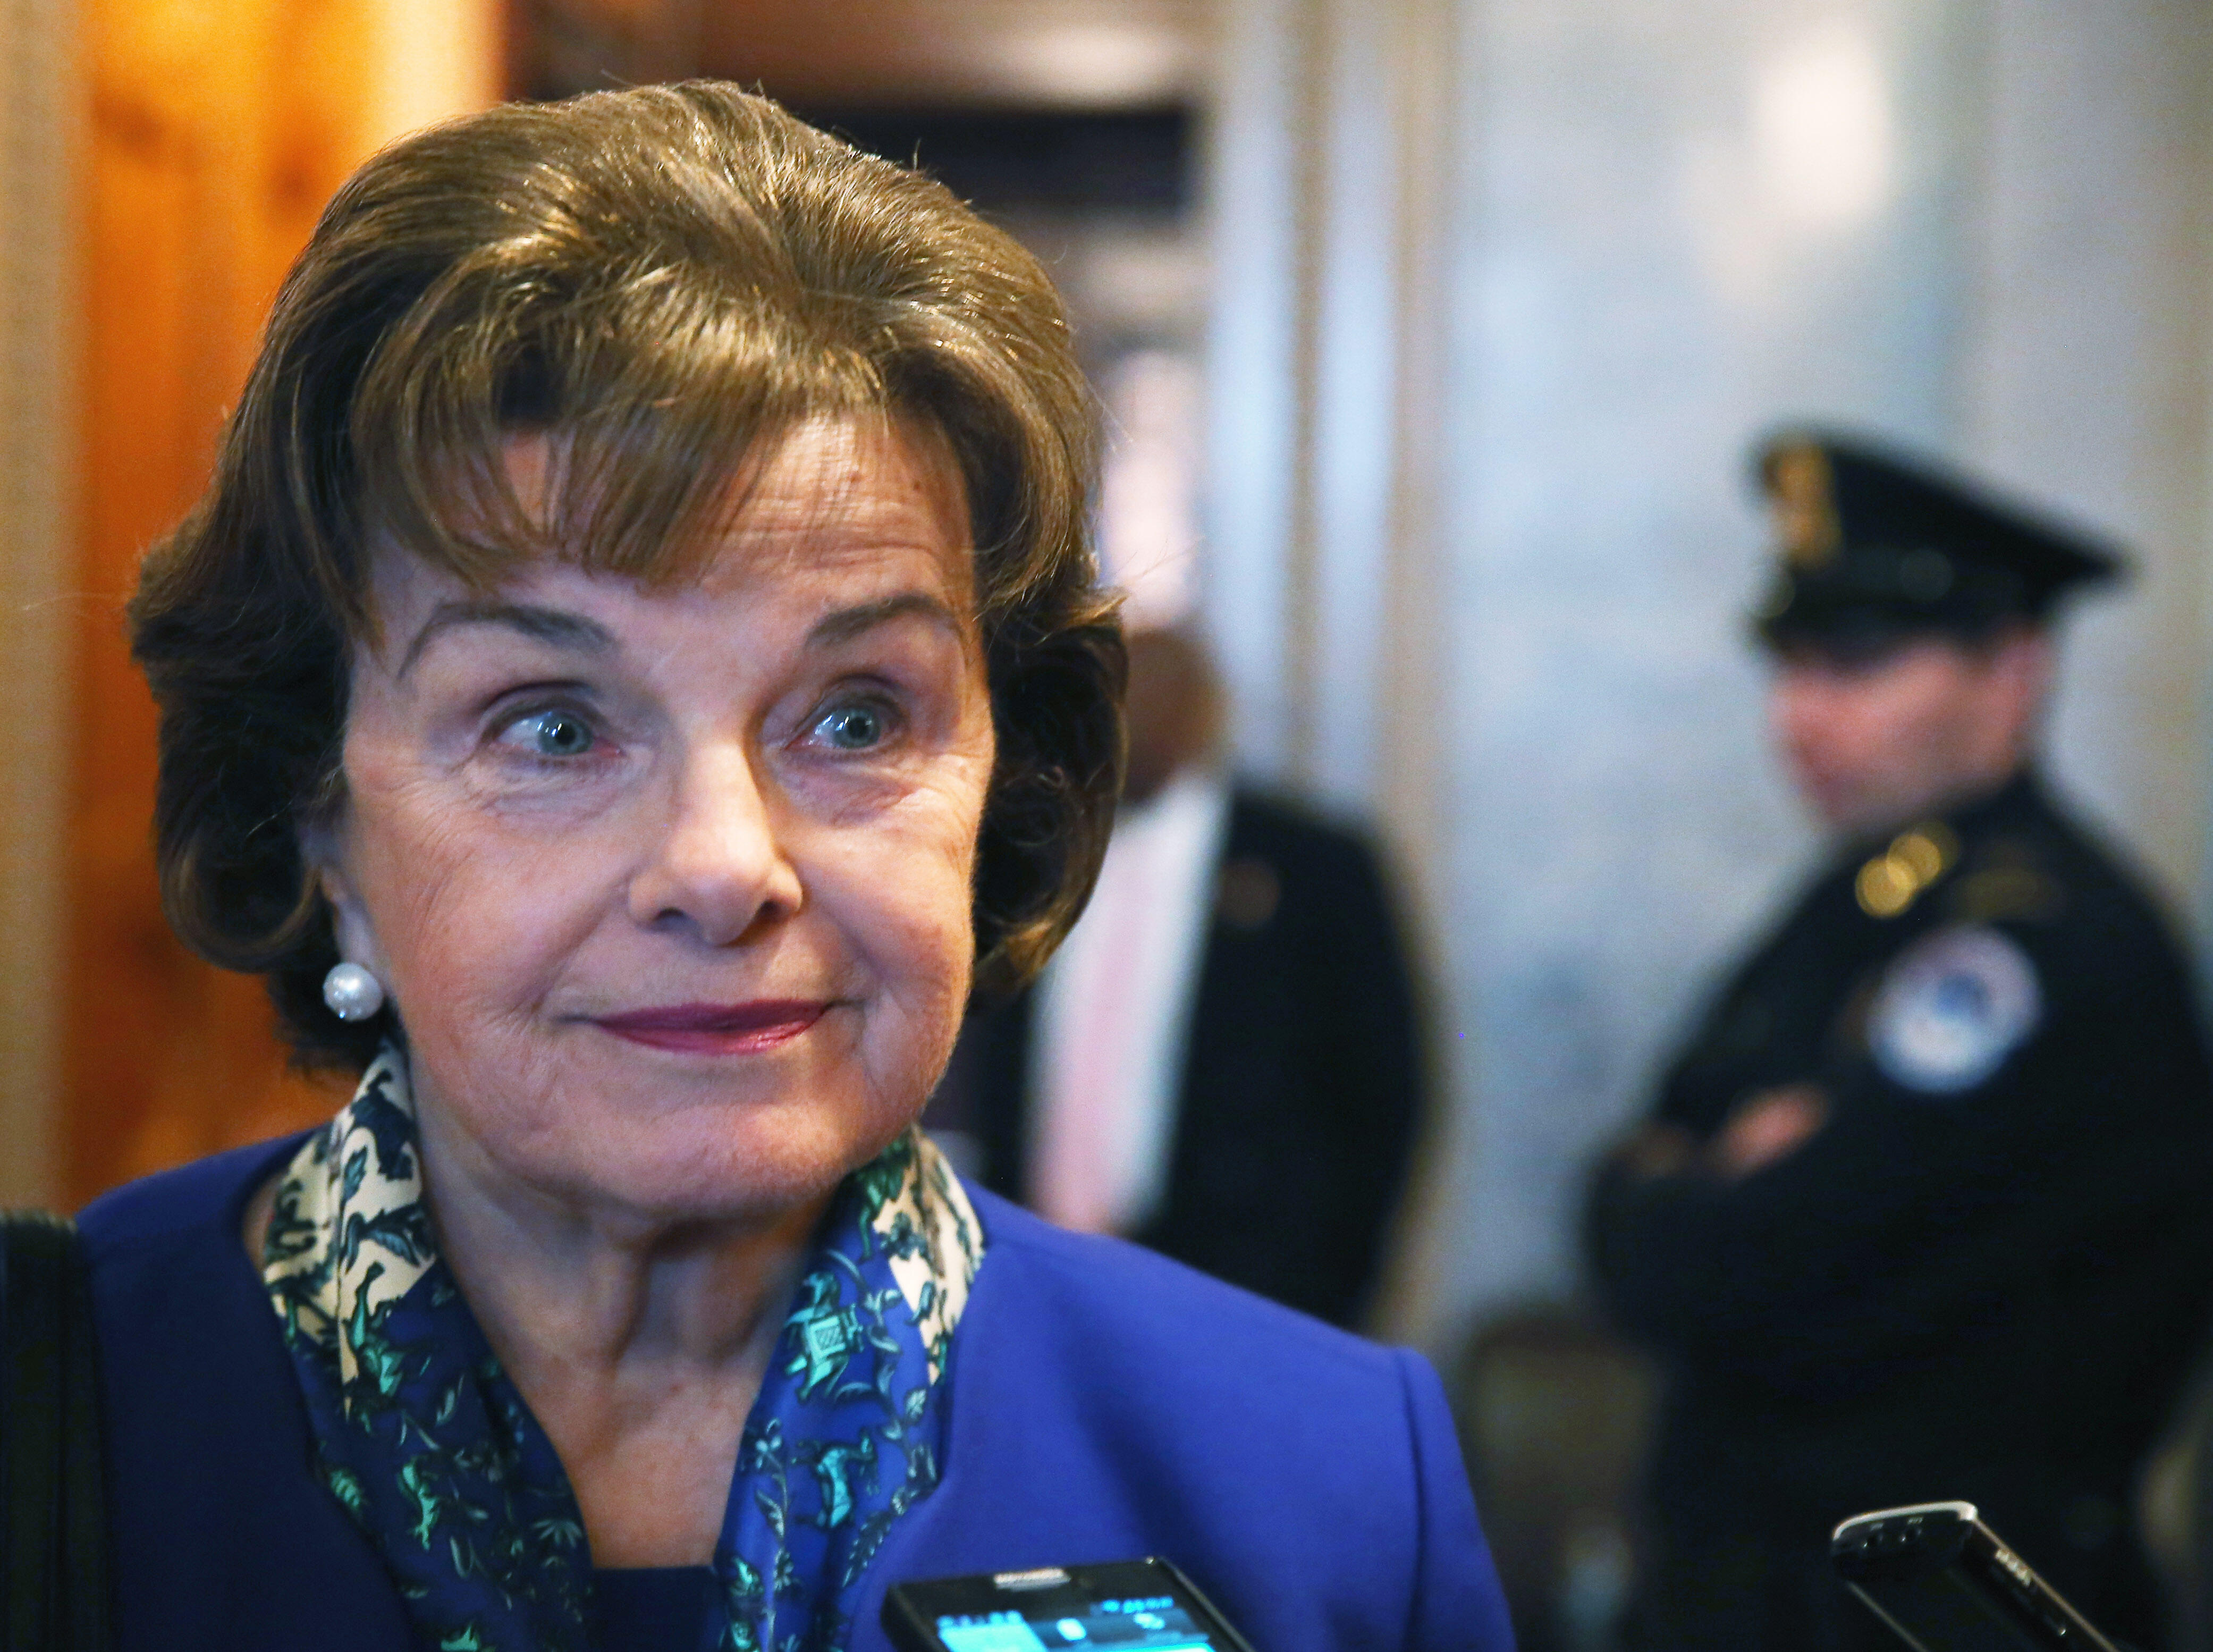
{"x": 54, "y": 1596}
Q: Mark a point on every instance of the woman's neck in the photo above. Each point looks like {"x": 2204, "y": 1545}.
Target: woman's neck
{"x": 639, "y": 1344}
{"x": 593, "y": 1286}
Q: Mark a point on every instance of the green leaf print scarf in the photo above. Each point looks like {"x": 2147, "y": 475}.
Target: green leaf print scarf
{"x": 430, "y": 1447}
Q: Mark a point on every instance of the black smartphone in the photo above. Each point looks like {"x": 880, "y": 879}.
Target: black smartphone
{"x": 1939, "y": 1577}
{"x": 1138, "y": 1606}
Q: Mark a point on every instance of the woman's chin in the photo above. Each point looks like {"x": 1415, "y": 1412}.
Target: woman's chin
{"x": 748, "y": 1165}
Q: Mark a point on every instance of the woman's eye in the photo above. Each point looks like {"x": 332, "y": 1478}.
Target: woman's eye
{"x": 852, "y": 728}
{"x": 553, "y": 734}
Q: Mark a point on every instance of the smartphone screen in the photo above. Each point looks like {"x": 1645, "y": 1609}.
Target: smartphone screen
{"x": 1155, "y": 1623}
{"x": 1136, "y": 1606}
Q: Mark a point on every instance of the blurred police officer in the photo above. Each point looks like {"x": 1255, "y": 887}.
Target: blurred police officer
{"x": 1924, "y": 1210}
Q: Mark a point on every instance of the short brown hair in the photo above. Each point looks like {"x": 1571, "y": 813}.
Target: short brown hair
{"x": 664, "y": 276}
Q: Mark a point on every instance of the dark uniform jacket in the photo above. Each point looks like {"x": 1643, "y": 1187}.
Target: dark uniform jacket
{"x": 1302, "y": 1087}
{"x": 1982, "y": 1278}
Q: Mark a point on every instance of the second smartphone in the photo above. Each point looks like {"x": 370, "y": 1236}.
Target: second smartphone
{"x": 1943, "y": 1580}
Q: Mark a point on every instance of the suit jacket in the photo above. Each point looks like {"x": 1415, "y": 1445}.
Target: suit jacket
{"x": 1302, "y": 1084}
{"x": 1105, "y": 1404}
{"x": 1982, "y": 1278}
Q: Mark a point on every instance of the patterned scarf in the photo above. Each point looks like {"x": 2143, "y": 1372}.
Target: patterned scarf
{"x": 431, "y": 1449}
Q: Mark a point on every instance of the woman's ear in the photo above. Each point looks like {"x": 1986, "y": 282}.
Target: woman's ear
{"x": 322, "y": 846}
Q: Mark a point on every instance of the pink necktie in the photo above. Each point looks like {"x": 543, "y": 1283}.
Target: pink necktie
{"x": 1073, "y": 1177}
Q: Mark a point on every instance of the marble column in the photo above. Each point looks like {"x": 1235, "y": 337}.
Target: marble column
{"x": 1331, "y": 359}
{"x": 2087, "y": 379}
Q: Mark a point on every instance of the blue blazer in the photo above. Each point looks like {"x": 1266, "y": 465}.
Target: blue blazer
{"x": 1105, "y": 1404}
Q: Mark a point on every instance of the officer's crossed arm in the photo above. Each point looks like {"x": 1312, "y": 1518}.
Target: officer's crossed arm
{"x": 1809, "y": 1204}
{"x": 1765, "y": 1127}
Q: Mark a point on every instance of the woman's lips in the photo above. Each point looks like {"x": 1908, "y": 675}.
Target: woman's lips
{"x": 715, "y": 1029}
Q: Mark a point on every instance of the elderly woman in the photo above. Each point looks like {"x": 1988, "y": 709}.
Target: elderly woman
{"x": 636, "y": 661}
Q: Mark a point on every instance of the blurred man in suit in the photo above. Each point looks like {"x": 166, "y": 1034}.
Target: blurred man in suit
{"x": 1221, "y": 1062}
{"x": 1924, "y": 1210}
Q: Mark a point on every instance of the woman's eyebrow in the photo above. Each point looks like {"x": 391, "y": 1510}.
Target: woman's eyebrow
{"x": 554, "y": 626}
{"x": 846, "y": 624}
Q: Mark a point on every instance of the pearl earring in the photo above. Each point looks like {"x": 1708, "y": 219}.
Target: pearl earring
{"x": 352, "y": 993}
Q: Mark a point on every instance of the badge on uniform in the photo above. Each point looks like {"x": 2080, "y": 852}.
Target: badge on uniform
{"x": 1951, "y": 1009}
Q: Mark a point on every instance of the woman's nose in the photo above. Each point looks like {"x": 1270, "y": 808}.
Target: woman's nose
{"x": 720, "y": 866}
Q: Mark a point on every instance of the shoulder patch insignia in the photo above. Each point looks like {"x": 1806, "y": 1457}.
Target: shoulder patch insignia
{"x": 1952, "y": 1008}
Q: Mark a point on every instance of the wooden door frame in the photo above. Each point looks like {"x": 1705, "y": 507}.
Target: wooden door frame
{"x": 40, "y": 95}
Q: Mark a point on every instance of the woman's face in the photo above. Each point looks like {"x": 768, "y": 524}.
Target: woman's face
{"x": 670, "y": 885}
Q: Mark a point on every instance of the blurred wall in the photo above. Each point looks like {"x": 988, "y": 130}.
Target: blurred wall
{"x": 1505, "y": 290}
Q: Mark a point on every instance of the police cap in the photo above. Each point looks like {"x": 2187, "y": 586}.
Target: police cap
{"x": 1873, "y": 547}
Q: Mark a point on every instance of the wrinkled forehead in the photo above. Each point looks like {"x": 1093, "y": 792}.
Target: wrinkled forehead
{"x": 828, "y": 493}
